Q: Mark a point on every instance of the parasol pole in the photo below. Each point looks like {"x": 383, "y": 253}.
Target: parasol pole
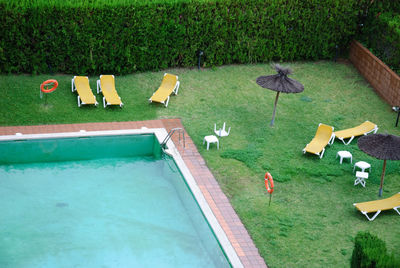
{"x": 273, "y": 114}
{"x": 383, "y": 175}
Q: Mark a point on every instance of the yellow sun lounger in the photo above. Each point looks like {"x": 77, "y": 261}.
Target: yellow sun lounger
{"x": 106, "y": 85}
{"x": 85, "y": 95}
{"x": 169, "y": 85}
{"x": 350, "y": 133}
{"x": 323, "y": 137}
{"x": 377, "y": 206}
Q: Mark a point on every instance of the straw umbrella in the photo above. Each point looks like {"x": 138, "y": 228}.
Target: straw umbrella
{"x": 381, "y": 146}
{"x": 280, "y": 83}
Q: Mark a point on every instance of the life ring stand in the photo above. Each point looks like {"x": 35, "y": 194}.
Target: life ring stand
{"x": 47, "y": 83}
{"x": 269, "y": 183}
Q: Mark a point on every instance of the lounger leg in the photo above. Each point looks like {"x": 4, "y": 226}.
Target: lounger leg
{"x": 166, "y": 103}
{"x": 176, "y": 88}
{"x": 373, "y": 217}
{"x": 322, "y": 153}
{"x": 72, "y": 84}
{"x": 348, "y": 141}
{"x": 79, "y": 101}
{"x": 98, "y": 86}
{"x": 332, "y": 139}
{"x": 397, "y": 209}
{"x": 104, "y": 102}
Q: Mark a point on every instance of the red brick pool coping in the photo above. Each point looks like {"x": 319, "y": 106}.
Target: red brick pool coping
{"x": 218, "y": 202}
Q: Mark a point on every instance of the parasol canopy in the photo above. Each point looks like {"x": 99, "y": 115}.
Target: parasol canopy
{"x": 280, "y": 83}
{"x": 381, "y": 146}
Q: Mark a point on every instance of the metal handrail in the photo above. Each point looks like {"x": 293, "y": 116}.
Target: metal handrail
{"x": 170, "y": 133}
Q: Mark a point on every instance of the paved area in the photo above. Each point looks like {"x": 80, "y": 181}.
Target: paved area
{"x": 218, "y": 202}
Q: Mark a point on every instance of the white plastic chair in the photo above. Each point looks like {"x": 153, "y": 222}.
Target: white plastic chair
{"x": 221, "y": 132}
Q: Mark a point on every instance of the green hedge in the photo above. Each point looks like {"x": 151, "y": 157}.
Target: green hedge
{"x": 370, "y": 252}
{"x": 381, "y": 32}
{"x": 122, "y": 36}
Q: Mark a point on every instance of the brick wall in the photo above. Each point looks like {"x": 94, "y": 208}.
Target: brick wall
{"x": 385, "y": 82}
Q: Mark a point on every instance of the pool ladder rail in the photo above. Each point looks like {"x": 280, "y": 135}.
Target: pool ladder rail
{"x": 169, "y": 136}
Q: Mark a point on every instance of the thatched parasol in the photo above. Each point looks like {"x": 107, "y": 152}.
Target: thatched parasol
{"x": 281, "y": 83}
{"x": 381, "y": 146}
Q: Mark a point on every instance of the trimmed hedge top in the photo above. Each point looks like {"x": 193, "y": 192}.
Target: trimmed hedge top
{"x": 381, "y": 32}
{"x": 120, "y": 36}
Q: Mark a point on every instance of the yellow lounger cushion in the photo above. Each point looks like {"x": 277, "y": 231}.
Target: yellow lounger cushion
{"x": 84, "y": 91}
{"x": 322, "y": 137}
{"x": 107, "y": 85}
{"x": 168, "y": 85}
{"x": 350, "y": 133}
{"x": 383, "y": 204}
{"x": 377, "y": 206}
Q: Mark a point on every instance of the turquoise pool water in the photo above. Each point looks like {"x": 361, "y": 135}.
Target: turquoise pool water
{"x": 112, "y": 208}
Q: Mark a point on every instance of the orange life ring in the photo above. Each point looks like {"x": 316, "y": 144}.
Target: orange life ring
{"x": 47, "y": 83}
{"x": 269, "y": 182}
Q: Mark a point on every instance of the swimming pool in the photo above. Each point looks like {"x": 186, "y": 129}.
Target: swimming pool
{"x": 92, "y": 199}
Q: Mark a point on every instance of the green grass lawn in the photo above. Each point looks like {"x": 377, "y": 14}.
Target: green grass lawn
{"x": 311, "y": 221}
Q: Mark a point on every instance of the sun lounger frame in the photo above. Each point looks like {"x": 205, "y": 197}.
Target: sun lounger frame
{"x": 175, "y": 91}
{"x": 375, "y": 129}
{"x": 105, "y": 103}
{"x": 330, "y": 141}
{"x": 80, "y": 102}
{"x": 377, "y": 211}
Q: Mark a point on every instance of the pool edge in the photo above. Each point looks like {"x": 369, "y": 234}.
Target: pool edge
{"x": 216, "y": 199}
